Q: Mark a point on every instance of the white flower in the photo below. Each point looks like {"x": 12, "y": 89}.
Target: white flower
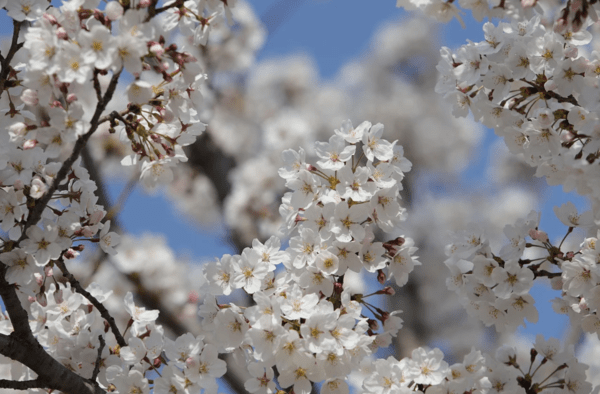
{"x": 97, "y": 46}
{"x": 108, "y": 240}
{"x": 262, "y": 379}
{"x": 567, "y": 214}
{"x": 139, "y": 92}
{"x": 42, "y": 244}
{"x": 334, "y": 154}
{"x": 21, "y": 266}
{"x": 141, "y": 317}
{"x": 375, "y": 146}
{"x": 427, "y": 366}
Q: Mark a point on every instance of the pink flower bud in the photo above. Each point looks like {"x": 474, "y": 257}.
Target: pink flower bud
{"x": 71, "y": 97}
{"x": 41, "y": 299}
{"x": 29, "y": 144}
{"x": 70, "y": 254}
{"x": 338, "y": 288}
{"x": 30, "y": 97}
{"x": 49, "y": 272}
{"x": 87, "y": 231}
{"x": 50, "y": 18}
{"x": 38, "y": 278}
{"x": 61, "y": 33}
{"x": 381, "y": 276}
{"x": 538, "y": 235}
{"x": 373, "y": 324}
{"x": 389, "y": 290}
{"x": 31, "y": 299}
{"x": 157, "y": 49}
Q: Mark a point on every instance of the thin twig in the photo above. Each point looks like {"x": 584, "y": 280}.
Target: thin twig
{"x": 103, "y": 311}
{"x": 99, "y": 359}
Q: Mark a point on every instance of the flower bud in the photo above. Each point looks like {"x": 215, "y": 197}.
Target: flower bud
{"x": 41, "y": 299}
{"x": 373, "y": 324}
{"x": 70, "y": 254}
{"x": 113, "y": 10}
{"x": 29, "y": 144}
{"x": 61, "y": 33}
{"x": 50, "y": 18}
{"x": 338, "y": 288}
{"x": 30, "y": 97}
{"x": 48, "y": 271}
{"x": 538, "y": 235}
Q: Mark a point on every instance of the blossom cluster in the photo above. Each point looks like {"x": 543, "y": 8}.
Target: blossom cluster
{"x": 70, "y": 63}
{"x": 573, "y": 15}
{"x": 307, "y": 322}
{"x": 549, "y": 368}
{"x": 494, "y": 287}
{"x": 531, "y": 86}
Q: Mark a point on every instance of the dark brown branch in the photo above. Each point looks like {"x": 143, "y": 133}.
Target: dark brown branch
{"x": 21, "y": 385}
{"x": 36, "y": 213}
{"x": 153, "y": 11}
{"x": 14, "y": 48}
{"x": 51, "y": 374}
{"x": 99, "y": 359}
{"x": 18, "y": 316}
{"x": 103, "y": 311}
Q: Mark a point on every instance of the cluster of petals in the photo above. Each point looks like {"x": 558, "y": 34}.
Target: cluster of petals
{"x": 534, "y": 87}
{"x": 305, "y": 321}
{"x": 494, "y": 287}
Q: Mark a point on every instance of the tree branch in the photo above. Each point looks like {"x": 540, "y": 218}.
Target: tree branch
{"x": 103, "y": 311}
{"x": 99, "y": 359}
{"x": 21, "y": 385}
{"x": 36, "y": 213}
{"x": 14, "y": 48}
{"x": 18, "y": 315}
{"x": 51, "y": 374}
